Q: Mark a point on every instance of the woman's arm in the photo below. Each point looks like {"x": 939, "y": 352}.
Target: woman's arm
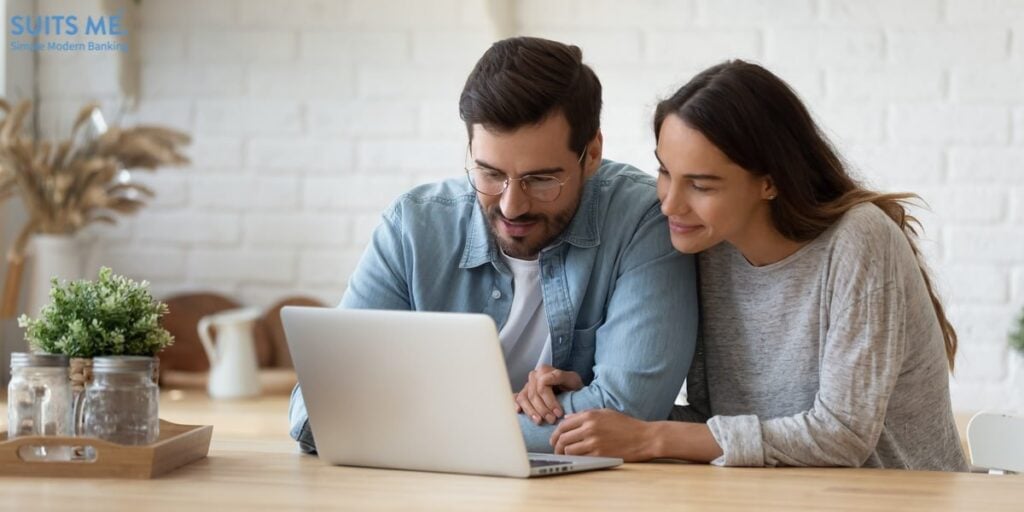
{"x": 860, "y": 364}
{"x": 859, "y": 368}
{"x": 604, "y": 432}
{"x": 687, "y": 441}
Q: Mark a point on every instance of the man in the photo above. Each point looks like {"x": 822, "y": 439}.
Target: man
{"x": 568, "y": 254}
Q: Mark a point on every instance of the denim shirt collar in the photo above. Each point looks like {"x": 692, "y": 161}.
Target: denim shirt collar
{"x": 581, "y": 232}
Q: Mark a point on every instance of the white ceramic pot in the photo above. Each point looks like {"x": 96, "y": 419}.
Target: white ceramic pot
{"x": 52, "y": 256}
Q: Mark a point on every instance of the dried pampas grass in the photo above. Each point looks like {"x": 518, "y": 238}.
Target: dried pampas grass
{"x": 68, "y": 184}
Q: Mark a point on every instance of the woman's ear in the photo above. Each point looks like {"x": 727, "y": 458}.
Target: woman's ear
{"x": 592, "y": 160}
{"x": 768, "y": 190}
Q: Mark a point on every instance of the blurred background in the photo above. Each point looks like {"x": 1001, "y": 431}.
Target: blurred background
{"x": 308, "y": 117}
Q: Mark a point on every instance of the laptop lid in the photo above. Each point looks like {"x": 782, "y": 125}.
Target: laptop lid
{"x": 404, "y": 390}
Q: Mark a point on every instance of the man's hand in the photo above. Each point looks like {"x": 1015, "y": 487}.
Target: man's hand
{"x": 537, "y": 399}
{"x": 605, "y": 433}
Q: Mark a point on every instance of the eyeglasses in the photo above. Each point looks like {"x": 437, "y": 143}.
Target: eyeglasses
{"x": 490, "y": 182}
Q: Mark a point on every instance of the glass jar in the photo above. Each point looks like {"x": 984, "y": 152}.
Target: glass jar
{"x": 39, "y": 396}
{"x": 121, "y": 404}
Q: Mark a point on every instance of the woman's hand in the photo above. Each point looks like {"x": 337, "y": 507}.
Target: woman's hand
{"x": 537, "y": 398}
{"x": 605, "y": 433}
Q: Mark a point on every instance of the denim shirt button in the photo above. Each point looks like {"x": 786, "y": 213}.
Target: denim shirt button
{"x": 496, "y": 295}
{"x": 561, "y": 340}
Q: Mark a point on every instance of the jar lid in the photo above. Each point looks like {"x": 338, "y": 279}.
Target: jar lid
{"x": 32, "y": 359}
{"x": 109, "y": 364}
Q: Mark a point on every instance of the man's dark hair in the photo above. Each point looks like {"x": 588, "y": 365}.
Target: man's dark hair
{"x": 522, "y": 80}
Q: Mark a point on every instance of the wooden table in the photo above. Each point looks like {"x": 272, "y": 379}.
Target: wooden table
{"x": 254, "y": 466}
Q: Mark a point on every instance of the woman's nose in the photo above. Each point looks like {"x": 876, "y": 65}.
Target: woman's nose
{"x": 674, "y": 204}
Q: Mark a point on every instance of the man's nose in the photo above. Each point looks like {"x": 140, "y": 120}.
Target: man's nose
{"x": 514, "y": 201}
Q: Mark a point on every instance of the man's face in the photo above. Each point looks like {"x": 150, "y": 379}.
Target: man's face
{"x": 523, "y": 224}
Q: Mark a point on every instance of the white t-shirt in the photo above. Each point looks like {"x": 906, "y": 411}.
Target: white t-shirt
{"x": 525, "y": 338}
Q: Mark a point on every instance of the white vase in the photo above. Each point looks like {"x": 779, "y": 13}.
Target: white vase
{"x": 52, "y": 256}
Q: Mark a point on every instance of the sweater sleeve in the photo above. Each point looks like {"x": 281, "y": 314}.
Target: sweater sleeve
{"x": 860, "y": 362}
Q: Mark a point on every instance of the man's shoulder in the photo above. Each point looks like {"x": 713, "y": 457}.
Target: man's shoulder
{"x": 433, "y": 202}
{"x": 623, "y": 193}
{"x": 616, "y": 176}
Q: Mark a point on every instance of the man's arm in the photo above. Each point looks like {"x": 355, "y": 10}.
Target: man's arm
{"x": 379, "y": 282}
{"x": 644, "y": 348}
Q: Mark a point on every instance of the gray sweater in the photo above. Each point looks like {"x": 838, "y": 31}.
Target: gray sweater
{"x": 831, "y": 357}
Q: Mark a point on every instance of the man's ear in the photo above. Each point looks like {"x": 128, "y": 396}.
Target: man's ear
{"x": 592, "y": 160}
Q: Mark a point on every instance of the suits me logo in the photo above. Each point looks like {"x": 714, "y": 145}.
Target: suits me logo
{"x": 97, "y": 32}
{"x": 66, "y": 25}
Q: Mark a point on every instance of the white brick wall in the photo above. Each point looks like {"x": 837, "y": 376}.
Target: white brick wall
{"x": 883, "y": 12}
{"x": 995, "y": 165}
{"x": 952, "y": 45}
{"x": 821, "y": 45}
{"x": 298, "y": 155}
{"x": 968, "y": 124}
{"x": 309, "y": 116}
{"x": 1018, "y": 117}
{"x": 902, "y": 84}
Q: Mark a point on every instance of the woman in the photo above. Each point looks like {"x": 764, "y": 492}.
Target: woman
{"x": 823, "y": 343}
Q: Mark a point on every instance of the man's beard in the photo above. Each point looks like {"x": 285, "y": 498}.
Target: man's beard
{"x": 549, "y": 226}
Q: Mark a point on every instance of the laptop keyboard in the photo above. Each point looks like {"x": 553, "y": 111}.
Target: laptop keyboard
{"x": 541, "y": 463}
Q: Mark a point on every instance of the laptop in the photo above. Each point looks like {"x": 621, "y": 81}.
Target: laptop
{"x": 413, "y": 390}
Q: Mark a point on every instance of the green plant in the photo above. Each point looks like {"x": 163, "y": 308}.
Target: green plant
{"x": 1017, "y": 336}
{"x": 110, "y": 316}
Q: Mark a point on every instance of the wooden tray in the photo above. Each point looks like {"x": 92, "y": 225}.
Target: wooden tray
{"x": 178, "y": 445}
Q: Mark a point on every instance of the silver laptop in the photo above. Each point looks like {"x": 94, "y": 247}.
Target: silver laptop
{"x": 413, "y": 390}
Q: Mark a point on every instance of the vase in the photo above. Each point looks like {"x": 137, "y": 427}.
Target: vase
{"x": 53, "y": 256}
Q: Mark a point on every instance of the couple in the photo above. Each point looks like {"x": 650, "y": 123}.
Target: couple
{"x": 821, "y": 342}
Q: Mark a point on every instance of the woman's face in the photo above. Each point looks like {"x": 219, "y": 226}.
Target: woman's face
{"x": 706, "y": 197}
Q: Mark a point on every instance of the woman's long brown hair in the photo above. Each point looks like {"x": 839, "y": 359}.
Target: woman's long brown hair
{"x": 754, "y": 117}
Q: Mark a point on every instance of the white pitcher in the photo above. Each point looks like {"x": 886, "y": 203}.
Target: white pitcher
{"x": 233, "y": 366}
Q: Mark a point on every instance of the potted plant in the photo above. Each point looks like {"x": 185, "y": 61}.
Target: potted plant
{"x": 111, "y": 316}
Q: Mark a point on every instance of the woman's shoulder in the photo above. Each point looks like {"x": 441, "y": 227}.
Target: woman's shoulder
{"x": 869, "y": 246}
{"x": 867, "y": 232}
{"x": 866, "y": 221}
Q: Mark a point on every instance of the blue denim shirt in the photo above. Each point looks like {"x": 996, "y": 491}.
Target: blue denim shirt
{"x": 620, "y": 301}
